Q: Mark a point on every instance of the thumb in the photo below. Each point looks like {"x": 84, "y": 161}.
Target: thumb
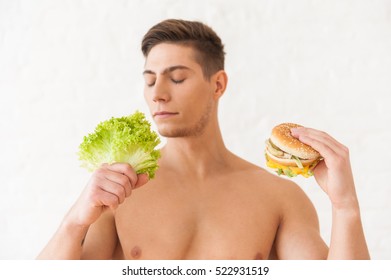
{"x": 142, "y": 179}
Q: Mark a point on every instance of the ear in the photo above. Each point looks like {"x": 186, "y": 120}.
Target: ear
{"x": 220, "y": 79}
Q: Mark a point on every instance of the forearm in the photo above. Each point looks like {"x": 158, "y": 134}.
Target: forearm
{"x": 347, "y": 236}
{"x": 66, "y": 244}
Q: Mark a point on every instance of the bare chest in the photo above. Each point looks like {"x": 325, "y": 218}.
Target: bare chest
{"x": 224, "y": 222}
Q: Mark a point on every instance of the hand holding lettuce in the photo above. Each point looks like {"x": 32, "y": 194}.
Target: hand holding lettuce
{"x": 126, "y": 139}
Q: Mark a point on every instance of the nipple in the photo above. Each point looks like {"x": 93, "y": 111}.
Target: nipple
{"x": 258, "y": 256}
{"x": 136, "y": 252}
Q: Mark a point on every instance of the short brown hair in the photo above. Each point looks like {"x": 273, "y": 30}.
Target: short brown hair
{"x": 207, "y": 44}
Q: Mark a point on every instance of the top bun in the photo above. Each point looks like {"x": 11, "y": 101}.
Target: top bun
{"x": 282, "y": 137}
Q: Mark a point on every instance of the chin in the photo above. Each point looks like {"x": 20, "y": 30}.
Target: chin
{"x": 169, "y": 132}
{"x": 179, "y": 132}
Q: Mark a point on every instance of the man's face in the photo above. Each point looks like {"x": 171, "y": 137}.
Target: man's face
{"x": 179, "y": 97}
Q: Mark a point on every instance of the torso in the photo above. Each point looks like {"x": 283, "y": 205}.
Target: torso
{"x": 229, "y": 216}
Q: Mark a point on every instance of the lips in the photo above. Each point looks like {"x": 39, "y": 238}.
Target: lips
{"x": 164, "y": 114}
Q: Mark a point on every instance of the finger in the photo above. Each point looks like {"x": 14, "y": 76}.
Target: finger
{"x": 126, "y": 169}
{"x": 334, "y": 153}
{"x": 325, "y": 151}
{"x": 142, "y": 180}
{"x": 315, "y": 138}
{"x": 120, "y": 179}
{"x": 109, "y": 200}
{"x": 113, "y": 189}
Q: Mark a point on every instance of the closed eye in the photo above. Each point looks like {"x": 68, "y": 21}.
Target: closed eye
{"x": 177, "y": 81}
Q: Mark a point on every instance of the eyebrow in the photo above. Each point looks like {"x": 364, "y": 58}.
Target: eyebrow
{"x": 168, "y": 69}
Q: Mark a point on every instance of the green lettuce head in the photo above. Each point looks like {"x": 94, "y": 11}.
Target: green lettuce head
{"x": 126, "y": 139}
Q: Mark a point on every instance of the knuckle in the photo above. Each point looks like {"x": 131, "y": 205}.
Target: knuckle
{"x": 340, "y": 161}
{"x": 99, "y": 172}
{"x": 345, "y": 153}
{"x": 124, "y": 180}
{"x": 121, "y": 192}
{"x": 128, "y": 169}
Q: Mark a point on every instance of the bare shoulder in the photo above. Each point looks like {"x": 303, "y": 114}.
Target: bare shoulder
{"x": 290, "y": 197}
{"x": 284, "y": 189}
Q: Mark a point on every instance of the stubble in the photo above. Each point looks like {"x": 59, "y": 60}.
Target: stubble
{"x": 192, "y": 131}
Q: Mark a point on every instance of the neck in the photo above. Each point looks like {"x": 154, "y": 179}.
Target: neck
{"x": 198, "y": 156}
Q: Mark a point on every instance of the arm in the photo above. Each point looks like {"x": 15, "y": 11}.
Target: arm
{"x": 101, "y": 239}
{"x": 72, "y": 241}
{"x": 335, "y": 177}
{"x": 88, "y": 230}
{"x": 298, "y": 234}
{"x": 66, "y": 243}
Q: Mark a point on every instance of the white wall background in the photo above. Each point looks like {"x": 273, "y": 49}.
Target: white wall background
{"x": 67, "y": 65}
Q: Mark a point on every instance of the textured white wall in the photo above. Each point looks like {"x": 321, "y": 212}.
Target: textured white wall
{"x": 66, "y": 65}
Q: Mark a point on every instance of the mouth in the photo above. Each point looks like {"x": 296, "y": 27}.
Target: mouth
{"x": 164, "y": 114}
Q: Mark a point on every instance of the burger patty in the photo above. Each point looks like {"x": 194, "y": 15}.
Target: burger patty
{"x": 275, "y": 151}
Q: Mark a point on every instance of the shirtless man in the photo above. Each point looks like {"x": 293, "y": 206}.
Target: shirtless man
{"x": 205, "y": 202}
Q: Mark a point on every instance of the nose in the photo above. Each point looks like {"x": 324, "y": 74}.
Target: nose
{"x": 160, "y": 91}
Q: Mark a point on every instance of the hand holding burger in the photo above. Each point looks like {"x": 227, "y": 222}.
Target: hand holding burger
{"x": 288, "y": 155}
{"x": 296, "y": 150}
{"x": 316, "y": 152}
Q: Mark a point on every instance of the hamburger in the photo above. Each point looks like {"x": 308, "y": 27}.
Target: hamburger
{"x": 289, "y": 156}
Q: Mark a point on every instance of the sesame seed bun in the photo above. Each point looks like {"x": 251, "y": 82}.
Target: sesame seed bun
{"x": 282, "y": 138}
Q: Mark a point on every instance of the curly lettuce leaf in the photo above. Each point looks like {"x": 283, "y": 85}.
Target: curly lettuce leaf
{"x": 125, "y": 139}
